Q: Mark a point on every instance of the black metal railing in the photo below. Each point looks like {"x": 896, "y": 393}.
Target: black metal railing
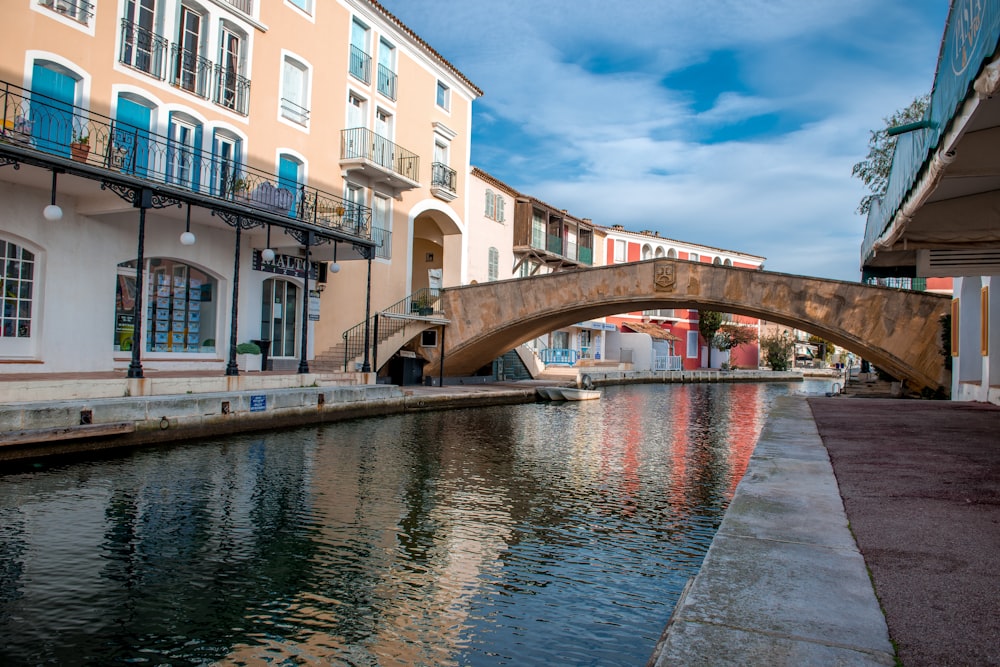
{"x": 146, "y": 51}
{"x": 46, "y": 125}
{"x": 143, "y": 50}
{"x": 245, "y": 6}
{"x": 422, "y": 303}
{"x": 443, "y": 176}
{"x": 80, "y": 11}
{"x": 383, "y": 239}
{"x": 232, "y": 91}
{"x": 360, "y": 65}
{"x": 387, "y": 82}
{"x": 294, "y": 112}
{"x": 190, "y": 71}
{"x": 362, "y": 143}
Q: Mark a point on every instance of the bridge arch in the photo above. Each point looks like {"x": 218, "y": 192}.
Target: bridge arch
{"x": 894, "y": 329}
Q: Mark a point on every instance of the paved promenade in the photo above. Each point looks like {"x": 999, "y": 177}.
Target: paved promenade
{"x": 784, "y": 582}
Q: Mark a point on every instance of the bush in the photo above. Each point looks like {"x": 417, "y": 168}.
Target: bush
{"x": 777, "y": 351}
{"x": 248, "y": 348}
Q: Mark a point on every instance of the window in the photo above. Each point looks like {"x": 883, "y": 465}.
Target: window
{"x": 141, "y": 47}
{"x": 647, "y": 251}
{"x": 79, "y": 10}
{"x": 490, "y": 204}
{"x": 279, "y": 312}
{"x": 233, "y": 89}
{"x": 387, "y": 69}
{"x": 357, "y": 111}
{"x": 493, "y": 271}
{"x": 443, "y": 96}
{"x": 295, "y": 91}
{"x": 355, "y": 198}
{"x": 526, "y": 269}
{"x": 52, "y": 122}
{"x": 692, "y": 345}
{"x": 383, "y": 148}
{"x": 290, "y": 179}
{"x": 498, "y": 208}
{"x": 226, "y": 156}
{"x": 619, "y": 251}
{"x": 537, "y": 230}
{"x": 694, "y": 257}
{"x": 360, "y": 65}
{"x": 190, "y": 69}
{"x": 382, "y": 226}
{"x": 183, "y": 148}
{"x": 180, "y": 312}
{"x": 672, "y": 254}
{"x": 304, "y": 5}
{"x": 17, "y": 279}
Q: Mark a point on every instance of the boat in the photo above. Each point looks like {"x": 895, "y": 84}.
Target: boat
{"x": 550, "y": 393}
{"x": 571, "y": 394}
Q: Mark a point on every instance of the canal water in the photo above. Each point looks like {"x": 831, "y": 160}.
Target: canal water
{"x": 537, "y": 534}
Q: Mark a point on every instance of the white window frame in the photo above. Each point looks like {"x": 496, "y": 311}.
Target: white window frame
{"x": 442, "y": 96}
{"x": 621, "y": 251}
{"x": 692, "y": 350}
{"x": 291, "y": 116}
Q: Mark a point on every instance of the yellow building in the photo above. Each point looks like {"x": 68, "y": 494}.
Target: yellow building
{"x": 219, "y": 142}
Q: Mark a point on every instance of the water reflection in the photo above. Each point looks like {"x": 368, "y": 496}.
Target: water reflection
{"x": 531, "y": 534}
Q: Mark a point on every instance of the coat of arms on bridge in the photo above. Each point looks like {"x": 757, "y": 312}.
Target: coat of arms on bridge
{"x": 665, "y": 277}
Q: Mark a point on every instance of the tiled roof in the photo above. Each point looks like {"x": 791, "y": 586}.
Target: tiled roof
{"x": 652, "y": 329}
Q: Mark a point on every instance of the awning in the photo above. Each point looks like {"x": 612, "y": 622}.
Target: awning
{"x": 652, "y": 329}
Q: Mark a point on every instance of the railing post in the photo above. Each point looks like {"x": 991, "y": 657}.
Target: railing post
{"x": 375, "y": 337}
{"x": 135, "y": 366}
{"x": 366, "y": 367}
{"x": 231, "y": 368}
{"x": 303, "y": 364}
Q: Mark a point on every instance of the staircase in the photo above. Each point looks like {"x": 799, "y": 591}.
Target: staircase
{"x": 513, "y": 368}
{"x": 396, "y": 325}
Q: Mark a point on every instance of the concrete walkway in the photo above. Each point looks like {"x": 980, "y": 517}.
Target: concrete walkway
{"x": 783, "y": 582}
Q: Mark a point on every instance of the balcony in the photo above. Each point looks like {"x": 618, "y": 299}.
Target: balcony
{"x": 37, "y": 130}
{"x": 371, "y": 156}
{"x": 146, "y": 51}
{"x": 443, "y": 179}
{"x": 387, "y": 82}
{"x": 360, "y": 65}
{"x": 294, "y": 112}
{"x": 80, "y": 11}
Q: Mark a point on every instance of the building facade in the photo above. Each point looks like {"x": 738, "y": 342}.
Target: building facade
{"x": 180, "y": 177}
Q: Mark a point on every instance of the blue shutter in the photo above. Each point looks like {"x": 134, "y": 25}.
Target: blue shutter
{"x": 196, "y": 160}
{"x": 288, "y": 178}
{"x": 131, "y": 137}
{"x": 52, "y": 109}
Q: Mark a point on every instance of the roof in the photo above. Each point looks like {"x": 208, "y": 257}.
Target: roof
{"x": 653, "y": 330}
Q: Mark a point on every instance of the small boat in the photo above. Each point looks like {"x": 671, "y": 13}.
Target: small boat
{"x": 571, "y": 394}
{"x": 550, "y": 393}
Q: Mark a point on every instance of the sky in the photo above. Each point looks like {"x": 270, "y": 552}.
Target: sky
{"x": 728, "y": 123}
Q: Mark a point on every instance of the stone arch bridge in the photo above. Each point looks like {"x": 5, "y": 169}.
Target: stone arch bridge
{"x": 896, "y": 330}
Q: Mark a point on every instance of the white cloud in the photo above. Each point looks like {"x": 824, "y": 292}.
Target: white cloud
{"x": 583, "y": 80}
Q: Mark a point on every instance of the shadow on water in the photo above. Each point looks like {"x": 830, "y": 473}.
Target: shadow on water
{"x": 531, "y": 534}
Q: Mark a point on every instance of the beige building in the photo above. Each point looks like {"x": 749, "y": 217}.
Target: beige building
{"x": 219, "y": 141}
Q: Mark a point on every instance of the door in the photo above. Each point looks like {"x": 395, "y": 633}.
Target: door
{"x": 188, "y": 75}
{"x": 229, "y": 90}
{"x": 279, "y": 312}
{"x": 289, "y": 178}
{"x": 225, "y": 163}
{"x": 52, "y": 121}
{"x": 138, "y": 43}
{"x": 130, "y": 143}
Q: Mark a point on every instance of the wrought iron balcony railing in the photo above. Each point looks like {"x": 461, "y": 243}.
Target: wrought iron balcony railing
{"x": 80, "y": 11}
{"x": 245, "y": 6}
{"x": 147, "y": 52}
{"x": 47, "y": 126}
{"x": 361, "y": 143}
{"x": 387, "y": 82}
{"x": 294, "y": 112}
{"x": 443, "y": 176}
{"x": 143, "y": 50}
{"x": 190, "y": 71}
{"x": 383, "y": 239}
{"x": 360, "y": 65}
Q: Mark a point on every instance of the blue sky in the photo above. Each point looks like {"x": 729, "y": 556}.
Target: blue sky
{"x": 730, "y": 123}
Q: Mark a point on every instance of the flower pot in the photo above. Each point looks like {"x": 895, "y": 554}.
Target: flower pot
{"x": 79, "y": 151}
{"x": 248, "y": 362}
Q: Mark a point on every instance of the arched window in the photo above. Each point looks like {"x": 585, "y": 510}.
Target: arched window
{"x": 279, "y": 312}
{"x": 717, "y": 261}
{"x": 659, "y": 251}
{"x": 17, "y": 285}
{"x": 647, "y": 251}
{"x": 728, "y": 262}
{"x": 672, "y": 253}
{"x": 180, "y": 309}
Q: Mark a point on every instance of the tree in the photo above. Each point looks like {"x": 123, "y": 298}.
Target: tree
{"x": 777, "y": 350}
{"x": 708, "y": 323}
{"x": 874, "y": 169}
{"x": 731, "y": 336}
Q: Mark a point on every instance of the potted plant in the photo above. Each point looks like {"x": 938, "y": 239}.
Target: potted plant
{"x": 80, "y": 147}
{"x": 248, "y": 357}
{"x": 239, "y": 187}
{"x": 422, "y": 305}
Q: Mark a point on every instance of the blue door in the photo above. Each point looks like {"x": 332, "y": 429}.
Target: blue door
{"x": 53, "y": 94}
{"x": 130, "y": 148}
{"x": 288, "y": 179}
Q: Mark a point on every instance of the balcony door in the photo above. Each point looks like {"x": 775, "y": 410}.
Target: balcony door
{"x": 290, "y": 179}
{"x": 138, "y": 36}
{"x": 229, "y": 59}
{"x": 130, "y": 145}
{"x": 187, "y": 75}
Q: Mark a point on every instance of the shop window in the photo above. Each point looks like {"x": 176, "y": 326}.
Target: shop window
{"x": 17, "y": 279}
{"x": 179, "y": 307}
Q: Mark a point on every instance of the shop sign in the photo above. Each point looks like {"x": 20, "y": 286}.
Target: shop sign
{"x": 286, "y": 265}
{"x": 313, "y": 305}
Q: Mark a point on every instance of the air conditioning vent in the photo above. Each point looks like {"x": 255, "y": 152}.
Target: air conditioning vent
{"x": 956, "y": 263}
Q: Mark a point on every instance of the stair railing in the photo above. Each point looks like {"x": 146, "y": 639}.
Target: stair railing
{"x": 421, "y": 303}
